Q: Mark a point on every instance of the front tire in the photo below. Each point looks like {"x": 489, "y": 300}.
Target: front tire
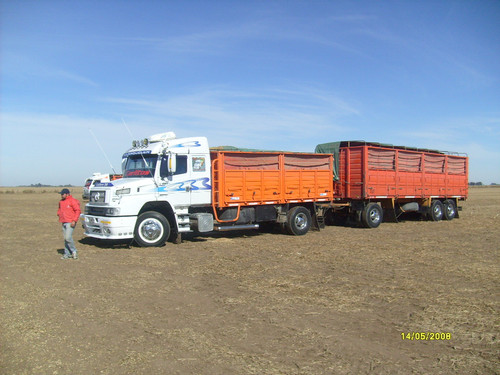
{"x": 151, "y": 230}
{"x": 298, "y": 221}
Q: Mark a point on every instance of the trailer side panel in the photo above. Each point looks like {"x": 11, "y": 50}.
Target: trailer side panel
{"x": 375, "y": 172}
{"x": 259, "y": 178}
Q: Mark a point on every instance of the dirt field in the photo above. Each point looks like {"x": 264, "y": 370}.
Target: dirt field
{"x": 331, "y": 302}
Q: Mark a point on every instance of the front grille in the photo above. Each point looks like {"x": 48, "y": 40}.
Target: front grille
{"x": 98, "y": 196}
{"x": 97, "y": 211}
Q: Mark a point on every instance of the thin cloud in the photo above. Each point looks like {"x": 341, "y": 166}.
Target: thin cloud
{"x": 69, "y": 76}
{"x": 462, "y": 135}
{"x": 224, "y": 39}
{"x": 20, "y": 66}
{"x": 461, "y": 128}
{"x": 267, "y": 114}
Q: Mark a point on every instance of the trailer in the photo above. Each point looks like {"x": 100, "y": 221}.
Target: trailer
{"x": 376, "y": 182}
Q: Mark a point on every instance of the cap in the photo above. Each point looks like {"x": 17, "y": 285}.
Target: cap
{"x": 64, "y": 191}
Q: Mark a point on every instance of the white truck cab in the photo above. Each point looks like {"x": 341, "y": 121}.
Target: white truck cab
{"x": 163, "y": 177}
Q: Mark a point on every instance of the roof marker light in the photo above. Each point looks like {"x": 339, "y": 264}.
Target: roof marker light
{"x": 162, "y": 137}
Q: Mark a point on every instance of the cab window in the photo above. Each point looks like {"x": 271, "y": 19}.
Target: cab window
{"x": 181, "y": 166}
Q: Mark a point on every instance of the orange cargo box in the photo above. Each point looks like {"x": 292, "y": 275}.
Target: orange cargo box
{"x": 258, "y": 178}
{"x": 372, "y": 171}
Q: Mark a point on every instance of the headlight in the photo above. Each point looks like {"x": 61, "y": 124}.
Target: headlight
{"x": 113, "y": 211}
{"x": 123, "y": 191}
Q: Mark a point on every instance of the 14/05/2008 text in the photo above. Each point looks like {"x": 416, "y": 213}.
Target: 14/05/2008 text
{"x": 426, "y": 336}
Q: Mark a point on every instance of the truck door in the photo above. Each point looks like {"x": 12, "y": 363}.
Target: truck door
{"x": 201, "y": 191}
{"x": 176, "y": 185}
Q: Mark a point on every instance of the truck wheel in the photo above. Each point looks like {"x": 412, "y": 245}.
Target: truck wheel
{"x": 298, "y": 221}
{"x": 371, "y": 217}
{"x": 450, "y": 210}
{"x": 152, "y": 229}
{"x": 436, "y": 211}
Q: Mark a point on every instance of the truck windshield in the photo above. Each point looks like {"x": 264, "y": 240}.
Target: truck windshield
{"x": 140, "y": 166}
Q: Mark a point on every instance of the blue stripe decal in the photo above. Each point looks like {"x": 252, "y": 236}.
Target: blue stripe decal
{"x": 188, "y": 144}
{"x": 198, "y": 184}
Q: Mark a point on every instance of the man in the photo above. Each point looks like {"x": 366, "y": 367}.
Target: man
{"x": 69, "y": 213}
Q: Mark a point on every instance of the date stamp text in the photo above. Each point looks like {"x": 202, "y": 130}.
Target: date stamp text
{"x": 426, "y": 336}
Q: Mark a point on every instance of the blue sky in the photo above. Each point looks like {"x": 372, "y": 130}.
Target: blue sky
{"x": 259, "y": 74}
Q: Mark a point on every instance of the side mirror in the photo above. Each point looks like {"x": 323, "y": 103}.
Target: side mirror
{"x": 172, "y": 163}
{"x": 124, "y": 164}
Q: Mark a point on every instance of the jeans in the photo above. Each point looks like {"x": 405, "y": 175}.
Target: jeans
{"x": 69, "y": 244}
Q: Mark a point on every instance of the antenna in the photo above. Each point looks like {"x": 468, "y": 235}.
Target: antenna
{"x": 129, "y": 132}
{"x": 98, "y": 144}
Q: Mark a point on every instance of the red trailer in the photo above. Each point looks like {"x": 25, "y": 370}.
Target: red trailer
{"x": 373, "y": 180}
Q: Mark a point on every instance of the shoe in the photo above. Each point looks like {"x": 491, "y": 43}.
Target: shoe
{"x": 75, "y": 256}
{"x": 66, "y": 257}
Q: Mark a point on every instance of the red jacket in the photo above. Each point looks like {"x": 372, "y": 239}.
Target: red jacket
{"x": 69, "y": 210}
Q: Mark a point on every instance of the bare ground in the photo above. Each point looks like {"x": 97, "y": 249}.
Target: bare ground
{"x": 331, "y": 302}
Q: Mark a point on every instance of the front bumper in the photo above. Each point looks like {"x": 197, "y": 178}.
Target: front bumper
{"x": 110, "y": 228}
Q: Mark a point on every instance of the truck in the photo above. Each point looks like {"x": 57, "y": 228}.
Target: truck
{"x": 172, "y": 186}
{"x": 97, "y": 178}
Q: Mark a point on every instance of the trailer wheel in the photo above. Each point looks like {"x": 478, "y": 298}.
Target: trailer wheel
{"x": 151, "y": 229}
{"x": 436, "y": 211}
{"x": 372, "y": 214}
{"x": 298, "y": 221}
{"x": 450, "y": 209}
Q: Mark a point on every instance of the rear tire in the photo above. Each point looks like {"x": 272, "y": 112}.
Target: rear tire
{"x": 151, "y": 230}
{"x": 298, "y": 221}
{"x": 450, "y": 209}
{"x": 371, "y": 216}
{"x": 437, "y": 210}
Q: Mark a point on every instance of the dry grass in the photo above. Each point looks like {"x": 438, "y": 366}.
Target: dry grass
{"x": 330, "y": 302}
{"x": 76, "y": 191}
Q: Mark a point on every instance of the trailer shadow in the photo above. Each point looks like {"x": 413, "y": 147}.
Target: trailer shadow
{"x": 203, "y": 237}
{"x": 411, "y": 216}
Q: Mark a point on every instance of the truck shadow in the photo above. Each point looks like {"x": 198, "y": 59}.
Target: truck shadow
{"x": 107, "y": 244}
{"x": 203, "y": 237}
{"x": 191, "y": 237}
